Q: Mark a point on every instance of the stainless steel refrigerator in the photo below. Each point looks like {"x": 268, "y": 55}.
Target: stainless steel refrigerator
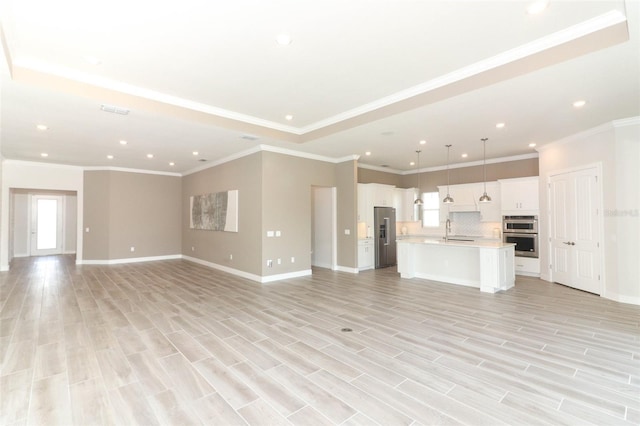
{"x": 385, "y": 236}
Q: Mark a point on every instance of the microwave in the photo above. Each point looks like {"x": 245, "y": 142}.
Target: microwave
{"x": 520, "y": 224}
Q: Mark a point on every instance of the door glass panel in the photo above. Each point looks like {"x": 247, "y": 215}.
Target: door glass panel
{"x": 47, "y": 224}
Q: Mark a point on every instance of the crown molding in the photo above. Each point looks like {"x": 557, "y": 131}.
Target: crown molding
{"x": 274, "y": 149}
{"x": 451, "y": 166}
{"x": 606, "y": 127}
{"x": 42, "y": 164}
{"x": 624, "y": 122}
{"x": 127, "y": 170}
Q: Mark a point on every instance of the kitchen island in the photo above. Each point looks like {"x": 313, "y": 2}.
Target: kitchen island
{"x": 488, "y": 266}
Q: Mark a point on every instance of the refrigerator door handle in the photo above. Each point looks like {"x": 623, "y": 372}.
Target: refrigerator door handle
{"x": 386, "y": 235}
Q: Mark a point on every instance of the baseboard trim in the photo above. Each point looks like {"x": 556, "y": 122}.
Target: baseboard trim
{"x": 128, "y": 260}
{"x": 631, "y": 300}
{"x": 247, "y": 275}
{"x": 347, "y": 269}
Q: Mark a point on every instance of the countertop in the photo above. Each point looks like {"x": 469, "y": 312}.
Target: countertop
{"x": 479, "y": 244}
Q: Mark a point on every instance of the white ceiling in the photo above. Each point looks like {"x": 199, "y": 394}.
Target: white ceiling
{"x": 360, "y": 75}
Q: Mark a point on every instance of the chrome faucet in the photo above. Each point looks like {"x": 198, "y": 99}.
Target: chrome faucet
{"x": 447, "y": 229}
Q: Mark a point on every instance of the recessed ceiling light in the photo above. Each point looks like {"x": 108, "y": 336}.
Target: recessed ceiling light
{"x": 41, "y": 127}
{"x": 465, "y": 155}
{"x": 579, "y": 104}
{"x": 110, "y": 157}
{"x": 499, "y": 125}
{"x": 195, "y": 152}
{"x": 92, "y": 60}
{"x": 44, "y": 154}
{"x": 422, "y": 142}
{"x": 123, "y": 142}
{"x": 172, "y": 163}
{"x": 367, "y": 153}
{"x": 531, "y": 145}
{"x": 289, "y": 117}
{"x": 283, "y": 39}
{"x": 537, "y": 6}
{"x": 149, "y": 155}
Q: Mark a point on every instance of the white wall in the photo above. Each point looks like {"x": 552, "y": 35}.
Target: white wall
{"x": 28, "y": 175}
{"x": 322, "y": 227}
{"x": 20, "y": 225}
{"x": 615, "y": 147}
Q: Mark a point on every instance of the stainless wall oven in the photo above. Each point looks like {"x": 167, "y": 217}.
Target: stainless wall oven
{"x": 523, "y": 232}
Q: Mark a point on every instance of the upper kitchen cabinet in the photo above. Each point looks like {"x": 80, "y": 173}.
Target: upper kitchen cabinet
{"x": 491, "y": 211}
{"x": 466, "y": 199}
{"x": 520, "y": 196}
{"x": 382, "y": 195}
{"x": 404, "y": 203}
{"x": 365, "y": 203}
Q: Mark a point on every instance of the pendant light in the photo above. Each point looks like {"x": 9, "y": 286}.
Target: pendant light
{"x": 485, "y": 198}
{"x": 418, "y": 200}
{"x": 448, "y": 199}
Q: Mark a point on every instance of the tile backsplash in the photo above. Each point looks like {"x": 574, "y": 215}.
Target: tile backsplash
{"x": 462, "y": 223}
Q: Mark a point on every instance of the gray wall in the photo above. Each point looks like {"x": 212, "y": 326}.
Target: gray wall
{"x": 124, "y": 210}
{"x": 245, "y": 175}
{"x": 275, "y": 194}
{"x": 429, "y": 181}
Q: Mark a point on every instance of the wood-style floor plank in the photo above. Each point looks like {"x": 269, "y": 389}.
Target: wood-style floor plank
{"x": 173, "y": 342}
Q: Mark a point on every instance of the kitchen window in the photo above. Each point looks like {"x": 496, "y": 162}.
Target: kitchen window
{"x": 430, "y": 210}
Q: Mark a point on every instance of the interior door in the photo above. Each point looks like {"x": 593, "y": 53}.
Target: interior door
{"x": 575, "y": 250}
{"x": 46, "y": 225}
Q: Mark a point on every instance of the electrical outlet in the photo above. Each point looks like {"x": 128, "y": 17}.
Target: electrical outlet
{"x": 269, "y": 263}
{"x": 132, "y": 249}
{"x": 193, "y": 248}
{"x": 347, "y": 232}
{"x": 278, "y": 233}
{"x": 293, "y": 259}
{"x": 279, "y": 261}
{"x": 86, "y": 229}
{"x": 230, "y": 257}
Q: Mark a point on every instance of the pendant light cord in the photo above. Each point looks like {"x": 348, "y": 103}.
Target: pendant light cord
{"x": 484, "y": 161}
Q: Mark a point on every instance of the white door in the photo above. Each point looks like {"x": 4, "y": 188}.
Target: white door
{"x": 46, "y": 225}
{"x": 323, "y": 240}
{"x": 575, "y": 250}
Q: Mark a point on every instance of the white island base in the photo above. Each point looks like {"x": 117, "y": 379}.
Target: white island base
{"x": 488, "y": 266}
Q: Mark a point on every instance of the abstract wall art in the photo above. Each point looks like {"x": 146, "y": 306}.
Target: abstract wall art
{"x": 217, "y": 211}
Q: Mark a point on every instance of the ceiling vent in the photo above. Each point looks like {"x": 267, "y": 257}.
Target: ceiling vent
{"x": 203, "y": 160}
{"x": 249, "y": 137}
{"x": 114, "y": 109}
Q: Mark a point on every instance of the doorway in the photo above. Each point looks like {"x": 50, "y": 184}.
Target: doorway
{"x": 323, "y": 228}
{"x": 575, "y": 224}
{"x": 46, "y": 225}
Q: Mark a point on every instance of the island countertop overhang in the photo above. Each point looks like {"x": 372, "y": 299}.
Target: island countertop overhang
{"x": 450, "y": 243}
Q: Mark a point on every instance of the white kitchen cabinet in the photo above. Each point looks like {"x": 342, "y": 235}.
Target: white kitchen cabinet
{"x": 365, "y": 203}
{"x": 382, "y": 195}
{"x": 528, "y": 266}
{"x": 466, "y": 198}
{"x": 491, "y": 211}
{"x": 404, "y": 202}
{"x": 366, "y": 250}
{"x": 519, "y": 196}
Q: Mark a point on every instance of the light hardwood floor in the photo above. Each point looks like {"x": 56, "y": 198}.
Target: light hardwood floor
{"x": 176, "y": 343}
